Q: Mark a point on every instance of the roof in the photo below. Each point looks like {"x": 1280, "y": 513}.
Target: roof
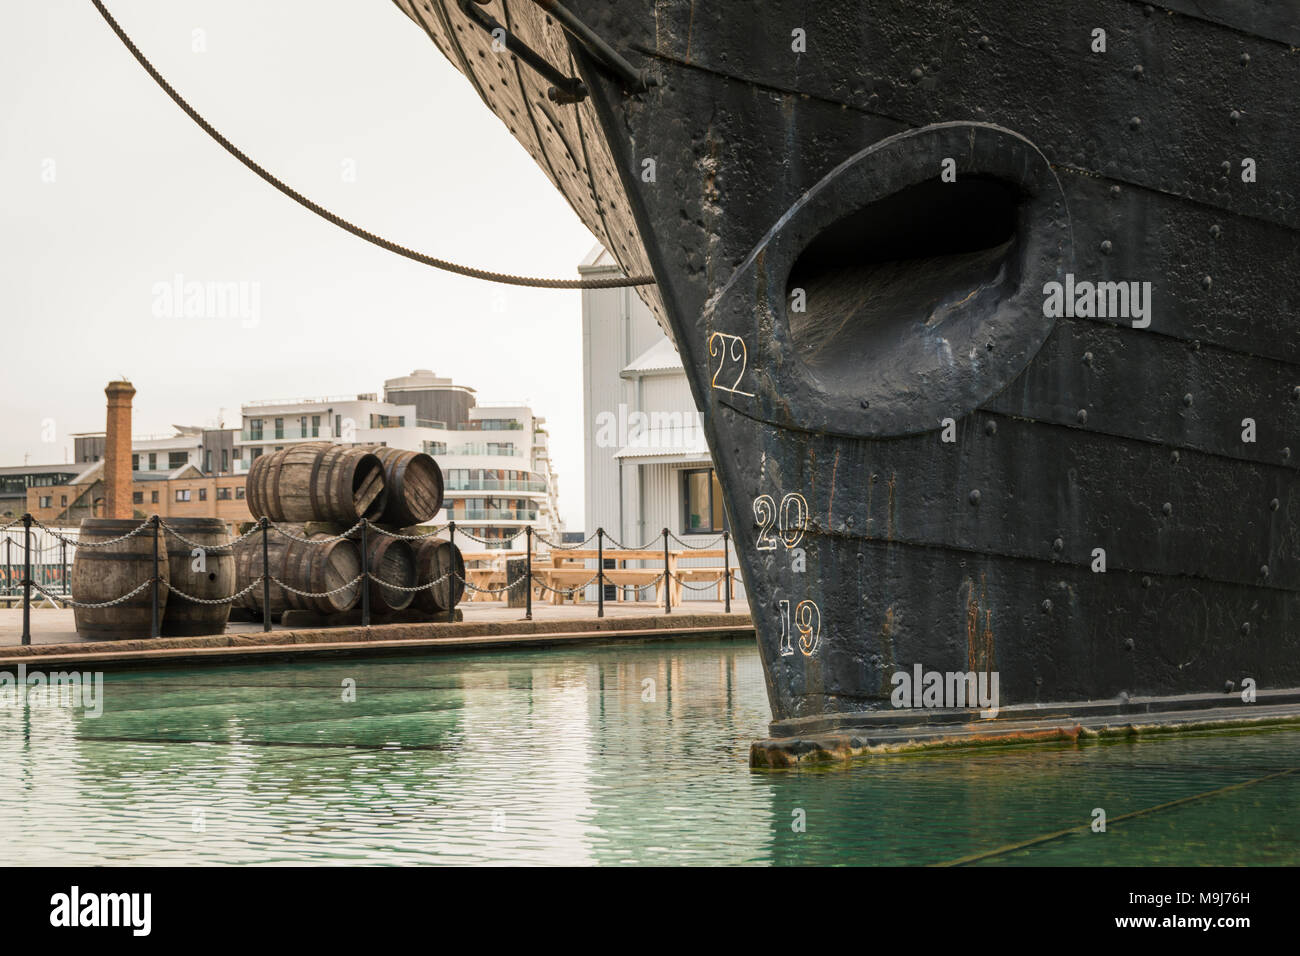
{"x": 658, "y": 358}
{"x": 684, "y": 444}
{"x": 69, "y": 468}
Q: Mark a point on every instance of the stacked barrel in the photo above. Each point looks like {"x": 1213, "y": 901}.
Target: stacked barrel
{"x": 316, "y": 493}
{"x": 196, "y": 576}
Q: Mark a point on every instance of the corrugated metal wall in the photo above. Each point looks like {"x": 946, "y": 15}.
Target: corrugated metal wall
{"x": 617, "y": 328}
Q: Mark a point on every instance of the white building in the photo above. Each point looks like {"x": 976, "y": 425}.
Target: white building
{"x": 494, "y": 458}
{"x": 647, "y": 465}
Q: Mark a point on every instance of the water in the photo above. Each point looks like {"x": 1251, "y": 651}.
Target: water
{"x": 554, "y": 757}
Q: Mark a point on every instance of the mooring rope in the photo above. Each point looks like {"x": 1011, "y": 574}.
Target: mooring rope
{"x": 445, "y": 265}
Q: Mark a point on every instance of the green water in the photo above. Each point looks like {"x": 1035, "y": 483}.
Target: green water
{"x": 555, "y": 757}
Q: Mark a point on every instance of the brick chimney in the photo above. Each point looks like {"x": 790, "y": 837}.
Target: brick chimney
{"x": 117, "y": 451}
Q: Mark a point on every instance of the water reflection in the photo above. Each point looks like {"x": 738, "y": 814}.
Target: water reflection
{"x": 621, "y": 754}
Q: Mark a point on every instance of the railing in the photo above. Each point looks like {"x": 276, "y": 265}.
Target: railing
{"x": 55, "y": 588}
{"x": 294, "y": 433}
{"x": 496, "y": 514}
{"x": 472, "y": 450}
{"x": 494, "y": 484}
{"x": 493, "y": 425}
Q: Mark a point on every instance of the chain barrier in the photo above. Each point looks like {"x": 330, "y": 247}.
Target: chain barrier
{"x": 405, "y": 537}
{"x": 197, "y": 600}
{"x": 76, "y": 543}
{"x": 618, "y": 545}
{"x": 565, "y": 547}
{"x": 488, "y": 541}
{"x": 423, "y": 587}
{"x": 569, "y": 591}
{"x": 702, "y": 586}
{"x": 210, "y": 548}
{"x": 501, "y": 590}
{"x": 326, "y": 539}
{"x": 694, "y": 547}
{"x": 16, "y": 521}
{"x": 53, "y": 596}
{"x": 310, "y": 594}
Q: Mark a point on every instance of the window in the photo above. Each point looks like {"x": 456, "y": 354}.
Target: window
{"x": 63, "y": 501}
{"x": 135, "y": 462}
{"x": 207, "y": 461}
{"x": 182, "y": 494}
{"x": 434, "y": 447}
{"x": 239, "y": 492}
{"x": 315, "y": 426}
{"x": 338, "y": 425}
{"x": 702, "y": 497}
{"x": 153, "y": 461}
{"x": 236, "y": 455}
{"x": 176, "y": 459}
{"x": 279, "y": 428}
{"x": 225, "y": 458}
{"x": 254, "y": 454}
{"x": 46, "y": 501}
{"x": 302, "y": 427}
{"x": 137, "y": 497}
{"x": 223, "y": 494}
{"x": 153, "y": 497}
{"x": 255, "y": 429}
{"x": 203, "y": 494}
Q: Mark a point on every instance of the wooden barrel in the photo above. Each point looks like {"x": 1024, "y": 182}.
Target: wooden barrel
{"x": 315, "y": 565}
{"x": 317, "y": 481}
{"x": 414, "y": 483}
{"x": 215, "y": 580}
{"x": 391, "y": 561}
{"x": 102, "y": 574}
{"x": 433, "y": 558}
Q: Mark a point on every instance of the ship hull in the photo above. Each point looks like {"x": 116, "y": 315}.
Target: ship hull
{"x": 927, "y": 463}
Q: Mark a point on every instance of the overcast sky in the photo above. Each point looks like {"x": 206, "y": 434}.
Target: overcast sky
{"x": 312, "y": 89}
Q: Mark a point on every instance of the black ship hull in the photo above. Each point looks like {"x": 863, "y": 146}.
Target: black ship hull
{"x": 878, "y": 230}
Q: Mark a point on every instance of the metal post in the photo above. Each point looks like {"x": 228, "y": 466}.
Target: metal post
{"x": 27, "y": 578}
{"x": 600, "y": 572}
{"x": 451, "y": 569}
{"x": 726, "y": 567}
{"x": 528, "y": 578}
{"x": 668, "y": 581}
{"x": 9, "y": 565}
{"x": 266, "y": 574}
{"x": 365, "y": 574}
{"x": 153, "y": 590}
{"x": 63, "y": 561}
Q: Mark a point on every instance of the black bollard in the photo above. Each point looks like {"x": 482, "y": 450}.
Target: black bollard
{"x": 726, "y": 567}
{"x": 27, "y": 578}
{"x": 668, "y": 581}
{"x": 266, "y": 575}
{"x": 600, "y": 572}
{"x": 528, "y": 574}
{"x": 154, "y": 622}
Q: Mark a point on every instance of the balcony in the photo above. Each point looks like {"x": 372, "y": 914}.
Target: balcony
{"x": 493, "y": 484}
{"x": 490, "y": 425}
{"x": 496, "y": 514}
{"x": 288, "y": 433}
{"x": 471, "y": 450}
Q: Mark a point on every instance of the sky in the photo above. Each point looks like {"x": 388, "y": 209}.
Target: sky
{"x": 108, "y": 193}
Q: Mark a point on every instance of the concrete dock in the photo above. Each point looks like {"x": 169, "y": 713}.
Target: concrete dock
{"x": 487, "y": 626}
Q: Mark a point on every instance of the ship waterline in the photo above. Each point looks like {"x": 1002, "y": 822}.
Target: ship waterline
{"x": 856, "y": 213}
